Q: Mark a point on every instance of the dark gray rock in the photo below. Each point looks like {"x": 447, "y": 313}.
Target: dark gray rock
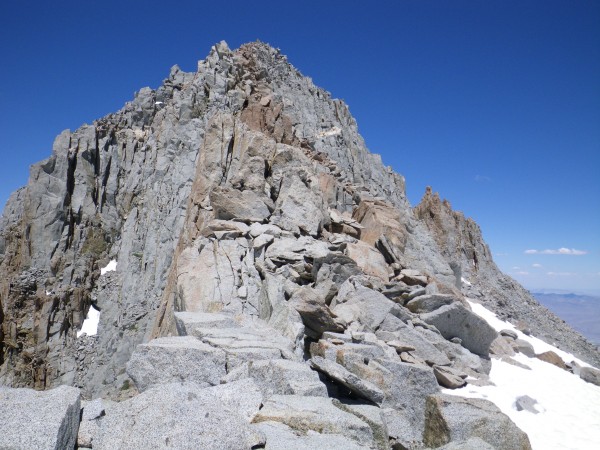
{"x": 39, "y": 420}
{"x": 457, "y": 321}
{"x": 456, "y": 419}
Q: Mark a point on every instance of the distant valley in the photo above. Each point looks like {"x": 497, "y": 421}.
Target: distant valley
{"x": 582, "y": 312}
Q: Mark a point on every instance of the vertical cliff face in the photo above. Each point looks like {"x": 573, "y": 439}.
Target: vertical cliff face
{"x": 115, "y": 189}
{"x": 177, "y": 187}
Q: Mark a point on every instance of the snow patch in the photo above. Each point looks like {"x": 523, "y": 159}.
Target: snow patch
{"x": 110, "y": 267}
{"x": 90, "y": 324}
{"x": 465, "y": 281}
{"x": 334, "y": 131}
{"x": 569, "y": 408}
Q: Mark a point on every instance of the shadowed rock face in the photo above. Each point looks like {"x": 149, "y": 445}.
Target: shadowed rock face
{"x": 255, "y": 238}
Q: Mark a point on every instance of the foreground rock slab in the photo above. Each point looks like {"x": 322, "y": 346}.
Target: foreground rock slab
{"x": 176, "y": 359}
{"x": 282, "y": 437}
{"x": 39, "y": 420}
{"x": 181, "y": 416}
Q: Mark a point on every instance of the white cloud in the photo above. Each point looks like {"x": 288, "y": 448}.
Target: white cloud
{"x": 482, "y": 179}
{"x": 516, "y": 268}
{"x": 536, "y": 265}
{"x": 560, "y": 251}
{"x": 521, "y": 272}
{"x": 561, "y": 274}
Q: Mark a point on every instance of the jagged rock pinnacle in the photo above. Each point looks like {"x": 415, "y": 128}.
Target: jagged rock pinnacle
{"x": 250, "y": 229}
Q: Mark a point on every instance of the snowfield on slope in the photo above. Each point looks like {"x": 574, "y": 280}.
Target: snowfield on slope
{"x": 568, "y": 407}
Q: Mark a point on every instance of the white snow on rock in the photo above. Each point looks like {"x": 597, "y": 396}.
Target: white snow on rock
{"x": 465, "y": 281}
{"x": 569, "y": 408}
{"x": 110, "y": 267}
{"x": 90, "y": 324}
{"x": 538, "y": 345}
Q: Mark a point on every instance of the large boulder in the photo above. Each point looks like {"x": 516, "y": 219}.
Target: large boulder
{"x": 406, "y": 386}
{"x": 457, "y": 321}
{"x": 525, "y": 347}
{"x": 410, "y": 338}
{"x": 315, "y": 313}
{"x": 357, "y": 303}
{"x": 178, "y": 415}
{"x": 208, "y": 276}
{"x": 339, "y": 374}
{"x": 590, "y": 374}
{"x": 456, "y": 419}
{"x": 285, "y": 377}
{"x": 175, "y": 359}
{"x": 552, "y": 358}
{"x": 369, "y": 259}
{"x": 298, "y": 208}
{"x": 306, "y": 414}
{"x": 32, "y": 420}
{"x": 428, "y": 303}
{"x": 245, "y": 344}
{"x": 246, "y": 206}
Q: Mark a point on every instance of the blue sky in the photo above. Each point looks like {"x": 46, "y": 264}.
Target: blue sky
{"x": 495, "y": 104}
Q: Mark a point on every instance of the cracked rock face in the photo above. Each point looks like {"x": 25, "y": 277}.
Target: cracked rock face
{"x": 259, "y": 247}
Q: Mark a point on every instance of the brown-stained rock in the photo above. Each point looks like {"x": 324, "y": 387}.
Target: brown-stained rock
{"x": 552, "y": 358}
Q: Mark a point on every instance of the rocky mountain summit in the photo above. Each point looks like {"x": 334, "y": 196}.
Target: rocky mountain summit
{"x": 273, "y": 286}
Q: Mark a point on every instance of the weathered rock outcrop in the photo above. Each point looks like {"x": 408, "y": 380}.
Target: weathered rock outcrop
{"x": 34, "y": 420}
{"x": 273, "y": 287}
{"x": 460, "y": 241}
